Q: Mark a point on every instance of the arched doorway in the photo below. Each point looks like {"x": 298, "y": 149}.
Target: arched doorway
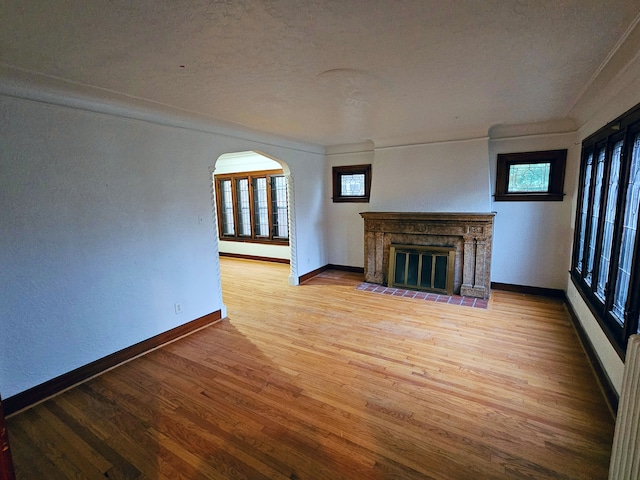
{"x": 253, "y": 201}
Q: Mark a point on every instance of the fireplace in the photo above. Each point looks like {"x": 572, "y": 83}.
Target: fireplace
{"x": 466, "y": 237}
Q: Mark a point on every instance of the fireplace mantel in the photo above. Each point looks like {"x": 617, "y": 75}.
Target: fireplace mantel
{"x": 471, "y": 234}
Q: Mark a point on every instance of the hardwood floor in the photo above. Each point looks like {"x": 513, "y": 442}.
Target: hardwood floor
{"x": 323, "y": 381}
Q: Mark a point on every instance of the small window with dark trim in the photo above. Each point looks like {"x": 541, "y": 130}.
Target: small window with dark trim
{"x": 352, "y": 183}
{"x": 531, "y": 176}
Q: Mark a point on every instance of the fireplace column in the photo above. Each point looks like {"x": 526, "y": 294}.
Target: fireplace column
{"x": 468, "y": 269}
{"x": 476, "y": 263}
{"x": 373, "y": 255}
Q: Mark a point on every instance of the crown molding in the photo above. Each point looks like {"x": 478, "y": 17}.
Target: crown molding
{"x": 19, "y": 83}
{"x": 552, "y": 127}
{"x": 619, "y": 71}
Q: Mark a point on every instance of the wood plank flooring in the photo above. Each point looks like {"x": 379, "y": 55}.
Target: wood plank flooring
{"x": 323, "y": 381}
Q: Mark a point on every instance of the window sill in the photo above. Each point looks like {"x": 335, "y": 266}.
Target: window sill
{"x": 529, "y": 197}
{"x": 350, "y": 199}
{"x": 264, "y": 241}
{"x": 618, "y": 344}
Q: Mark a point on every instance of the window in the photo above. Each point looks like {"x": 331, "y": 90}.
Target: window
{"x": 253, "y": 207}
{"x": 352, "y": 183}
{"x": 606, "y": 253}
{"x": 530, "y": 176}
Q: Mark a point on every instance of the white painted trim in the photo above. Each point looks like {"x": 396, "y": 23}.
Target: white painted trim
{"x": 350, "y": 148}
{"x": 606, "y": 61}
{"x": 611, "y": 363}
{"x": 51, "y": 90}
{"x": 435, "y": 142}
{"x": 534, "y": 136}
{"x": 216, "y": 243}
{"x": 293, "y": 238}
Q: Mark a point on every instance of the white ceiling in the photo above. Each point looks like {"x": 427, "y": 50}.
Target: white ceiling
{"x": 329, "y": 72}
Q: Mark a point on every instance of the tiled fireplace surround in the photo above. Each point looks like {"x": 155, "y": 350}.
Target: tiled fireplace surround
{"x": 471, "y": 235}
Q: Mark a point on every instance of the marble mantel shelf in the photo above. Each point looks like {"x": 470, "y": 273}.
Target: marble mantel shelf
{"x": 470, "y": 233}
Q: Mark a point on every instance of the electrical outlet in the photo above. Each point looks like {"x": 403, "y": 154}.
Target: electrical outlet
{"x": 178, "y": 308}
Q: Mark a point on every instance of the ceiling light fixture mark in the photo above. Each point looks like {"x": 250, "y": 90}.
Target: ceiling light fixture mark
{"x": 356, "y": 87}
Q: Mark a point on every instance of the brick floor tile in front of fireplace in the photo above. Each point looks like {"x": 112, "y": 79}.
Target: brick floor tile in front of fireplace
{"x": 430, "y": 297}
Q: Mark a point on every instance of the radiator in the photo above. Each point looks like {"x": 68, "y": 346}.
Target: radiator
{"x": 625, "y": 456}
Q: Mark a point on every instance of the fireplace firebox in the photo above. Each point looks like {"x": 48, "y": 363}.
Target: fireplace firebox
{"x": 422, "y": 268}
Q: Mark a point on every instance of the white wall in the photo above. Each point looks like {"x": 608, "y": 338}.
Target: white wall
{"x": 532, "y": 240}
{"x": 249, "y": 162}
{"x": 309, "y": 250}
{"x": 437, "y": 177}
{"x": 106, "y": 223}
{"x": 345, "y": 226}
{"x": 608, "y": 357}
{"x": 255, "y": 249}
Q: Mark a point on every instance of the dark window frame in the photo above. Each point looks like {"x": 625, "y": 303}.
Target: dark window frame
{"x": 338, "y": 172}
{"x": 585, "y": 273}
{"x": 557, "y": 159}
{"x": 251, "y": 177}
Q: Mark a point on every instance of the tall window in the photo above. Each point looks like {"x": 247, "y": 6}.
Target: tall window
{"x": 253, "y": 207}
{"x": 606, "y": 255}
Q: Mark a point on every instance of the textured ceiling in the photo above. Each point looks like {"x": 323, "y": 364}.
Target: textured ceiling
{"x": 328, "y": 72}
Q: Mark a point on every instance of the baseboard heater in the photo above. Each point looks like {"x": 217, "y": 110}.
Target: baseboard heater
{"x": 625, "y": 455}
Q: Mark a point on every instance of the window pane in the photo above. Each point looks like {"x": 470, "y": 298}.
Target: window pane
{"x": 412, "y": 272}
{"x": 244, "y": 213}
{"x": 609, "y": 219}
{"x": 440, "y": 277}
{"x": 401, "y": 263}
{"x": 279, "y": 207}
{"x": 228, "y": 226}
{"x": 595, "y": 215}
{"x": 260, "y": 207}
{"x": 631, "y": 205}
{"x": 425, "y": 274}
{"x": 584, "y": 210}
{"x": 352, "y": 185}
{"x": 529, "y": 177}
